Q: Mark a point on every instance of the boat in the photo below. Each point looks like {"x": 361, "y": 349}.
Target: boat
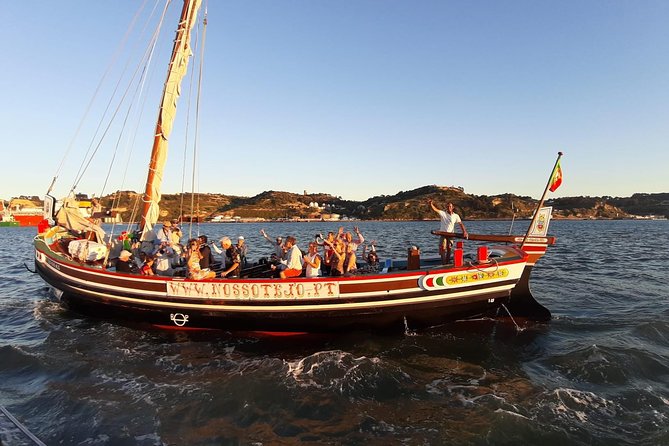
{"x": 6, "y": 219}
{"x": 25, "y": 212}
{"x": 402, "y": 293}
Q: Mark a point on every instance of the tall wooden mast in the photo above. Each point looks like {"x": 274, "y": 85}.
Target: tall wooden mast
{"x": 168, "y": 105}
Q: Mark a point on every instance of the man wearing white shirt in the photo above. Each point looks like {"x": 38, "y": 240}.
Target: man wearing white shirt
{"x": 292, "y": 266}
{"x": 448, "y": 221}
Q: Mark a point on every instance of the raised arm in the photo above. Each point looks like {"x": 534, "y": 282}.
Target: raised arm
{"x": 216, "y": 249}
{"x": 267, "y": 237}
{"x": 361, "y": 239}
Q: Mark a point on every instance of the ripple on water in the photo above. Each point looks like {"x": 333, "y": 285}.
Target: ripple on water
{"x": 83, "y": 381}
{"x": 656, "y": 332}
{"x": 590, "y": 418}
{"x": 19, "y": 324}
{"x": 22, "y": 372}
{"x": 605, "y": 365}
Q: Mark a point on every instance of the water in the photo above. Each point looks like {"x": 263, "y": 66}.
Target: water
{"x": 598, "y": 374}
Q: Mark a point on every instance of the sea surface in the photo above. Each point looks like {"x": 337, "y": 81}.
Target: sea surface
{"x": 597, "y": 374}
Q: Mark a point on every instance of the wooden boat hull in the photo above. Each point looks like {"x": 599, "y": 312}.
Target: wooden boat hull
{"x": 410, "y": 299}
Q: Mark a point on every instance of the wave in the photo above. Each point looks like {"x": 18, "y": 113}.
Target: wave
{"x": 343, "y": 373}
{"x": 607, "y": 365}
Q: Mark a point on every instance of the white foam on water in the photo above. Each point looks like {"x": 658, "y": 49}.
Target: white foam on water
{"x": 514, "y": 414}
{"x": 151, "y": 437}
{"x": 581, "y": 405}
{"x": 100, "y": 439}
{"x": 334, "y": 369}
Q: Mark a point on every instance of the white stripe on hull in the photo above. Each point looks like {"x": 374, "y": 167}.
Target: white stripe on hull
{"x": 515, "y": 271}
{"x": 221, "y": 308}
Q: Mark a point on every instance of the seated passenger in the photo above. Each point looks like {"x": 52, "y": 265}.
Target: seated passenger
{"x": 327, "y": 252}
{"x": 292, "y": 266}
{"x": 312, "y": 261}
{"x": 347, "y": 237}
{"x": 175, "y": 232}
{"x": 124, "y": 264}
{"x": 163, "y": 261}
{"x": 350, "y": 262}
{"x": 372, "y": 258}
{"x": 147, "y": 267}
{"x": 194, "y": 256}
{"x": 162, "y": 234}
{"x": 207, "y": 260}
{"x": 242, "y": 247}
{"x": 233, "y": 259}
{"x": 338, "y": 258}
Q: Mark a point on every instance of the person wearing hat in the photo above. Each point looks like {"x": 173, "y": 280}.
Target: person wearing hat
{"x": 124, "y": 264}
{"x": 163, "y": 234}
{"x": 242, "y": 247}
{"x": 175, "y": 232}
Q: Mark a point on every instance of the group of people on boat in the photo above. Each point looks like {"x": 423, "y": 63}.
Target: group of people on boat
{"x": 338, "y": 256}
{"x": 162, "y": 253}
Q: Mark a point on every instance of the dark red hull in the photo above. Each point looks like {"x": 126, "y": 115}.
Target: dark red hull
{"x": 391, "y": 300}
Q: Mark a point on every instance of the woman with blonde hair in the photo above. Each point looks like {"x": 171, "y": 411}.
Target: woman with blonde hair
{"x": 194, "y": 256}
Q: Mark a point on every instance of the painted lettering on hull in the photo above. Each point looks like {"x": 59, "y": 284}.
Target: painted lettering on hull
{"x": 245, "y": 291}
{"x": 439, "y": 281}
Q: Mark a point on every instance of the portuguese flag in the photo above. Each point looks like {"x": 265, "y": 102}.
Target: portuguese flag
{"x": 556, "y": 178}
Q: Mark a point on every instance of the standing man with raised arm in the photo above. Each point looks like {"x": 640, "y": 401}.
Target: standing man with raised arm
{"x": 278, "y": 245}
{"x": 448, "y": 221}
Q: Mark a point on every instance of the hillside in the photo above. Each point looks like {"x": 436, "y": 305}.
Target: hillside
{"x": 404, "y": 205}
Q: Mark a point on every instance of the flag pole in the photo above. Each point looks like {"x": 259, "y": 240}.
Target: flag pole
{"x": 541, "y": 202}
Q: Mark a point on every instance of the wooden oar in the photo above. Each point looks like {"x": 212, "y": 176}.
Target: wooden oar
{"x": 496, "y": 238}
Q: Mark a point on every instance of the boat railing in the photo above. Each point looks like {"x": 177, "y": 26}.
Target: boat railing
{"x": 515, "y": 239}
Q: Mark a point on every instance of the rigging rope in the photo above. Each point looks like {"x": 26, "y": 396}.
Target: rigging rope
{"x": 86, "y": 164}
{"x": 194, "y": 207}
{"x": 187, "y": 132}
{"x": 138, "y": 93}
{"x": 148, "y": 57}
{"x": 197, "y": 106}
{"x": 95, "y": 94}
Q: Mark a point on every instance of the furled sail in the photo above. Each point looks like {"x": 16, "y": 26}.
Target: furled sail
{"x": 168, "y": 106}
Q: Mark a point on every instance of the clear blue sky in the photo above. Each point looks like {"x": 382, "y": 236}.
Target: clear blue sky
{"x": 362, "y": 98}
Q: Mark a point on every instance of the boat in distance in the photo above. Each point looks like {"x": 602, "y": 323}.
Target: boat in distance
{"x": 398, "y": 294}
